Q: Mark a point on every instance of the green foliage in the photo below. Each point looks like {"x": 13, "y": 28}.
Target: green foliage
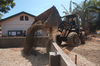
{"x": 95, "y": 25}
{"x": 83, "y": 11}
{"x": 6, "y": 5}
{"x": 95, "y": 6}
{"x": 92, "y": 26}
{"x": 98, "y": 22}
{"x": 86, "y": 12}
{"x": 94, "y": 9}
{"x": 1, "y": 16}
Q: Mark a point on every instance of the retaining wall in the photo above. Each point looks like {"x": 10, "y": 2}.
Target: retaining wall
{"x": 60, "y": 56}
{"x": 6, "y": 42}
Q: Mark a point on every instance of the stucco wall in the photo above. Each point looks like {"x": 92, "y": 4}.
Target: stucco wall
{"x": 15, "y": 24}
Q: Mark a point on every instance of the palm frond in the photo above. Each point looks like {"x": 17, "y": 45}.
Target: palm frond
{"x": 78, "y": 6}
{"x": 88, "y": 3}
{"x": 65, "y": 10}
{"x": 93, "y": 7}
{"x": 65, "y": 13}
{"x": 84, "y": 5}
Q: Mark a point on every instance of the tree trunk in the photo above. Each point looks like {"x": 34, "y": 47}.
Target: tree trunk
{"x": 83, "y": 22}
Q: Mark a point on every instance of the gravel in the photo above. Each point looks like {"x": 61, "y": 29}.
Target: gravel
{"x": 88, "y": 54}
{"x": 15, "y": 57}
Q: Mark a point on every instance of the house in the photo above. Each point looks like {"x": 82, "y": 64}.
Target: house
{"x": 17, "y": 24}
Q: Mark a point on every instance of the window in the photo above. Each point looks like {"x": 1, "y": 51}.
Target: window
{"x": 22, "y": 18}
{"x": 26, "y": 18}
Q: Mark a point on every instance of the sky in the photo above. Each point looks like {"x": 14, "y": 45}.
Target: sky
{"x": 36, "y": 7}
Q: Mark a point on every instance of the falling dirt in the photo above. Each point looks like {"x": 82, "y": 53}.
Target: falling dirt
{"x": 48, "y": 20}
{"x": 30, "y": 43}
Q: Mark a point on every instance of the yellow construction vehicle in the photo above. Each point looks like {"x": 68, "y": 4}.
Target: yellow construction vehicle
{"x": 69, "y": 28}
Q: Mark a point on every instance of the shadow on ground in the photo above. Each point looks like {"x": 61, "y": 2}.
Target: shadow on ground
{"x": 65, "y": 46}
{"x": 38, "y": 59}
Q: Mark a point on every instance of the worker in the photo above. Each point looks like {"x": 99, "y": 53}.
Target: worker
{"x": 72, "y": 23}
{"x": 24, "y": 33}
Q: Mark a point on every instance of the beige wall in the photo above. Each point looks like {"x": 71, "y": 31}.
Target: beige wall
{"x": 15, "y": 24}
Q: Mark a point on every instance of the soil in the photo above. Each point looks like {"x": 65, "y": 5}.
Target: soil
{"x": 88, "y": 54}
{"x": 93, "y": 37}
{"x": 15, "y": 57}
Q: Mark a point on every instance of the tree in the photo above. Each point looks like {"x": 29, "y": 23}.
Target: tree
{"x": 98, "y": 22}
{"x": 70, "y": 9}
{"x": 6, "y": 5}
{"x": 83, "y": 12}
{"x": 66, "y": 12}
{"x": 0, "y": 16}
{"x": 95, "y": 6}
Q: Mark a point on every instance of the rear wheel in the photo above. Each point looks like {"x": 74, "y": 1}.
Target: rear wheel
{"x": 83, "y": 37}
{"x": 58, "y": 40}
{"x": 73, "y": 39}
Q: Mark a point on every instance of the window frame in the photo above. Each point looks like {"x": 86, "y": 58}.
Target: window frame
{"x": 22, "y": 18}
{"x": 26, "y": 18}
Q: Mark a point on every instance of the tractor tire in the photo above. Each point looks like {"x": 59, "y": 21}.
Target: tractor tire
{"x": 57, "y": 39}
{"x": 73, "y": 39}
{"x": 83, "y": 37}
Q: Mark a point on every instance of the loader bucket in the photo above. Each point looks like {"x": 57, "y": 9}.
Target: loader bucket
{"x": 50, "y": 17}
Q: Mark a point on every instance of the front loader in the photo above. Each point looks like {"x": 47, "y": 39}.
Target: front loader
{"x": 68, "y": 33}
